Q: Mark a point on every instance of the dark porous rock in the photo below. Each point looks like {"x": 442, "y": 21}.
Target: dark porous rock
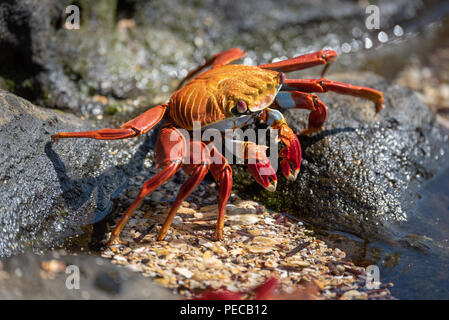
{"x": 30, "y": 65}
{"x": 361, "y": 173}
{"x": 51, "y": 190}
{"x": 57, "y": 275}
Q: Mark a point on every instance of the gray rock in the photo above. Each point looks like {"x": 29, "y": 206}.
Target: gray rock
{"x": 362, "y": 172}
{"x": 27, "y": 30}
{"x": 27, "y": 277}
{"x": 50, "y": 190}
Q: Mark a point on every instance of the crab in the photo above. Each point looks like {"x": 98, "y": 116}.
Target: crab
{"x": 229, "y": 97}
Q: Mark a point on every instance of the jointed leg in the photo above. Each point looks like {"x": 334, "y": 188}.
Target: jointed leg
{"x": 198, "y": 172}
{"x": 169, "y": 157}
{"x": 301, "y": 100}
{"x": 186, "y": 189}
{"x": 133, "y": 128}
{"x": 324, "y": 85}
{"x": 147, "y": 188}
{"x": 321, "y": 85}
{"x": 304, "y": 61}
{"x": 222, "y": 173}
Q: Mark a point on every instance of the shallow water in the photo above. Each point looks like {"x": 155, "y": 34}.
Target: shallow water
{"x": 417, "y": 263}
{"x": 421, "y": 271}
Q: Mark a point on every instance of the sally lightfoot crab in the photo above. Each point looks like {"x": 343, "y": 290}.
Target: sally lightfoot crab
{"x": 229, "y": 97}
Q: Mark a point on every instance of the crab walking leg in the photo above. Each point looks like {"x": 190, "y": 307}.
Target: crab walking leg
{"x": 132, "y": 128}
{"x": 291, "y": 154}
{"x": 301, "y": 100}
{"x": 222, "y": 173}
{"x": 324, "y": 85}
{"x": 258, "y": 163}
{"x": 302, "y": 62}
{"x": 170, "y": 148}
{"x": 147, "y": 188}
{"x": 218, "y": 59}
{"x": 186, "y": 189}
{"x": 198, "y": 172}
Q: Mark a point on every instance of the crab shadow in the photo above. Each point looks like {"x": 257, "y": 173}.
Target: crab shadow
{"x": 110, "y": 183}
{"x": 114, "y": 180}
{"x": 308, "y": 141}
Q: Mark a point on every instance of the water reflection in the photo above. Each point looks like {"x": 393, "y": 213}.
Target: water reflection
{"x": 418, "y": 262}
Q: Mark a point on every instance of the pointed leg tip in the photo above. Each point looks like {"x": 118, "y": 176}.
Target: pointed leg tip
{"x": 379, "y": 107}
{"x": 112, "y": 241}
{"x": 218, "y": 236}
{"x": 271, "y": 187}
{"x": 295, "y": 174}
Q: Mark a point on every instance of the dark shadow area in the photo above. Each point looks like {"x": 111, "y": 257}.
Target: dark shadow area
{"x": 110, "y": 183}
{"x": 126, "y": 9}
{"x": 307, "y": 141}
{"x": 20, "y": 71}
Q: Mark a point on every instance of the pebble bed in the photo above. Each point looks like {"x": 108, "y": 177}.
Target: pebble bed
{"x": 258, "y": 244}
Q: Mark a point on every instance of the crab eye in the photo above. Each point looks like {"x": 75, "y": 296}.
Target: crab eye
{"x": 281, "y": 78}
{"x": 241, "y": 106}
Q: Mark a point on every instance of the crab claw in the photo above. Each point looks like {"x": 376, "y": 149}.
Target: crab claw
{"x": 291, "y": 161}
{"x": 264, "y": 174}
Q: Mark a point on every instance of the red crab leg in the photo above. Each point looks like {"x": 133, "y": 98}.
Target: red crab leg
{"x": 301, "y": 100}
{"x": 291, "y": 154}
{"x": 218, "y": 59}
{"x": 303, "y": 61}
{"x": 132, "y": 128}
{"x": 222, "y": 173}
{"x": 324, "y": 85}
{"x": 170, "y": 148}
{"x": 147, "y": 188}
{"x": 198, "y": 172}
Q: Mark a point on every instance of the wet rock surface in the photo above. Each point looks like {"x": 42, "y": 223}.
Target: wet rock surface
{"x": 50, "y": 190}
{"x": 53, "y": 276}
{"x": 362, "y": 172}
